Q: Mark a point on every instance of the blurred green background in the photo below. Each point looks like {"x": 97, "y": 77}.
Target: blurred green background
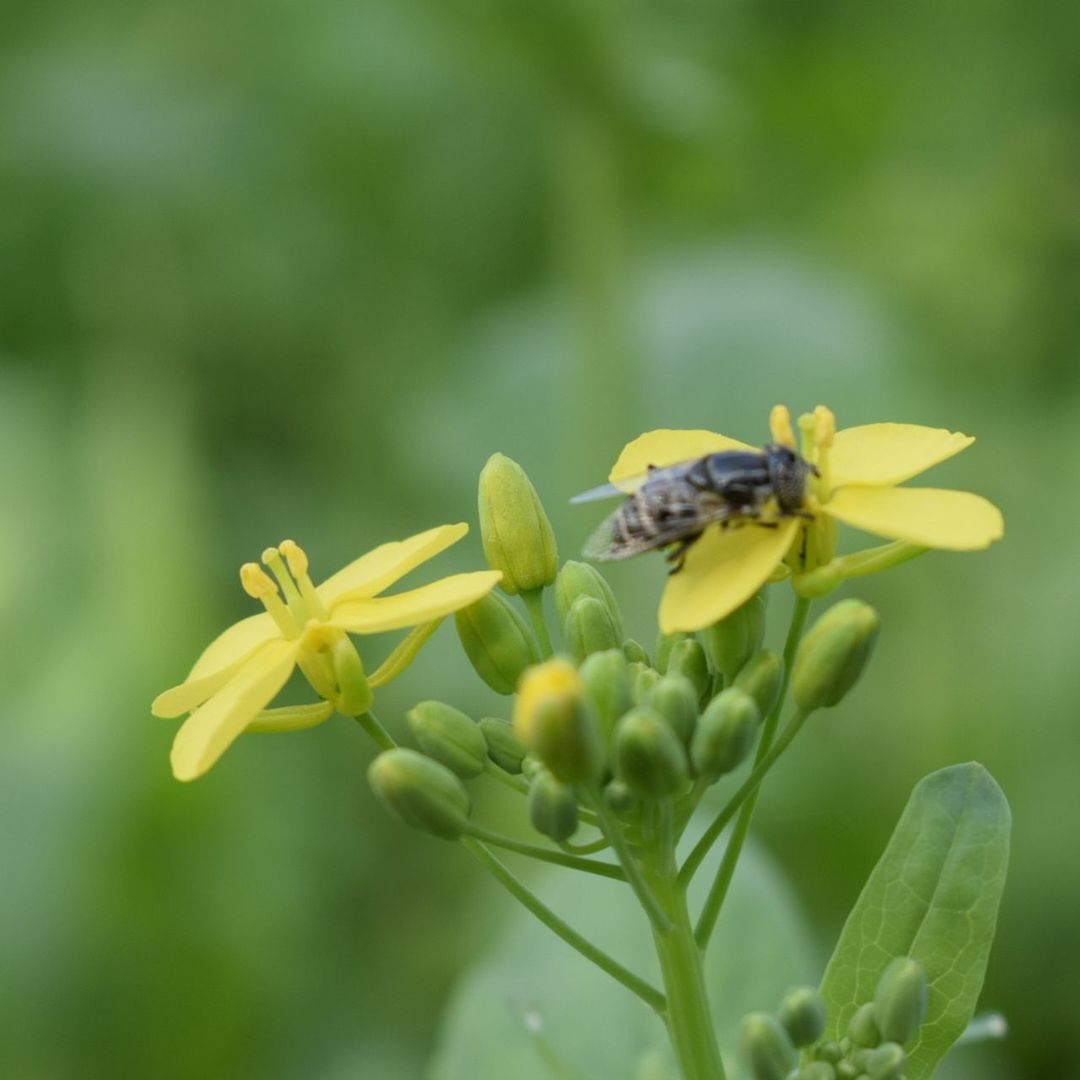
{"x": 272, "y": 269}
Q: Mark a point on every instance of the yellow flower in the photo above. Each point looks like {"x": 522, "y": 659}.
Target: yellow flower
{"x": 860, "y": 469}
{"x": 242, "y": 670}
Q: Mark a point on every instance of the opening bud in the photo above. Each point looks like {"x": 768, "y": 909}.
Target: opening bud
{"x": 497, "y": 641}
{"x": 553, "y": 719}
{"x": 803, "y": 1013}
{"x": 515, "y": 530}
{"x": 578, "y": 579}
{"x": 423, "y": 793}
{"x": 449, "y": 736}
{"x": 675, "y": 700}
{"x": 760, "y": 678}
{"x": 885, "y": 1062}
{"x": 606, "y": 676}
{"x": 649, "y": 757}
{"x": 725, "y": 733}
{"x": 635, "y": 652}
{"x": 731, "y": 642}
{"x": 833, "y": 654}
{"x": 901, "y": 999}
{"x": 687, "y": 657}
{"x": 862, "y": 1029}
{"x": 589, "y": 628}
{"x": 503, "y": 745}
{"x": 765, "y": 1047}
{"x": 553, "y": 808}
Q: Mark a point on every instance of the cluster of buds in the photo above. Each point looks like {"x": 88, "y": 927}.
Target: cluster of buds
{"x": 872, "y": 1049}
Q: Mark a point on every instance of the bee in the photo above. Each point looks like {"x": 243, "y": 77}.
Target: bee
{"x": 673, "y": 505}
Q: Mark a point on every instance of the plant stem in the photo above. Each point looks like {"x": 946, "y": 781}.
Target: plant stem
{"x": 559, "y": 858}
{"x": 379, "y": 735}
{"x": 649, "y": 994}
{"x": 534, "y": 605}
{"x": 600, "y": 844}
{"x": 515, "y": 783}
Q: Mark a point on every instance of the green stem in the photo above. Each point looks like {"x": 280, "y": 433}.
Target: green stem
{"x": 379, "y": 735}
{"x": 609, "y": 823}
{"x": 534, "y": 605}
{"x": 600, "y": 844}
{"x": 559, "y": 858}
{"x": 516, "y": 783}
{"x": 649, "y": 994}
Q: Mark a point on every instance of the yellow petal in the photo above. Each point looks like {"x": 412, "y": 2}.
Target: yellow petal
{"x": 722, "y": 571}
{"x": 191, "y": 693}
{"x": 235, "y": 644}
{"x": 666, "y": 447}
{"x": 929, "y": 517}
{"x": 208, "y": 732}
{"x": 881, "y": 455}
{"x": 380, "y": 568}
{"x": 416, "y": 606}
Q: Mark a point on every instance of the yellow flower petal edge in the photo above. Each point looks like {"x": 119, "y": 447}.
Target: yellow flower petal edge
{"x": 722, "y": 571}
{"x": 211, "y": 728}
{"x": 881, "y": 455}
{"x": 379, "y": 613}
{"x": 191, "y": 693}
{"x": 236, "y": 643}
{"x": 381, "y": 567}
{"x": 929, "y": 517}
{"x": 666, "y": 447}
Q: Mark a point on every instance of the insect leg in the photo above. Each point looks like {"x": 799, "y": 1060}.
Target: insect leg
{"x": 677, "y": 555}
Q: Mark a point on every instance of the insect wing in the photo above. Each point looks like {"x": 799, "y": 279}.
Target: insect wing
{"x": 608, "y": 542}
{"x": 632, "y": 483}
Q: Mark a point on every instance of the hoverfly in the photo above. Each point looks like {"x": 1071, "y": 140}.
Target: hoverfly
{"x": 673, "y": 505}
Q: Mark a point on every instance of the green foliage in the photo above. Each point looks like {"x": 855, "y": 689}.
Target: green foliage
{"x": 933, "y": 896}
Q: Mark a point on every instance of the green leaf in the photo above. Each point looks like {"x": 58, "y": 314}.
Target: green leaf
{"x": 934, "y": 896}
{"x": 533, "y": 1009}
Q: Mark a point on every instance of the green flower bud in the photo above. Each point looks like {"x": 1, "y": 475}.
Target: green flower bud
{"x": 635, "y": 653}
{"x": 833, "y": 654}
{"x": 449, "y": 736}
{"x": 497, "y": 641}
{"x": 863, "y": 1027}
{"x": 765, "y": 1047}
{"x": 589, "y": 628}
{"x": 901, "y": 999}
{"x": 649, "y": 757}
{"x": 817, "y": 1070}
{"x": 760, "y": 678}
{"x": 664, "y": 645}
{"x": 503, "y": 745}
{"x": 553, "y": 719}
{"x": 674, "y": 699}
{"x": 355, "y": 696}
{"x": 733, "y": 640}
{"x": 515, "y": 530}
{"x": 577, "y": 579}
{"x": 606, "y": 676}
{"x": 803, "y": 1013}
{"x": 845, "y": 1070}
{"x": 687, "y": 657}
{"x": 619, "y": 797}
{"x": 422, "y": 792}
{"x": 644, "y": 679}
{"x": 725, "y": 733}
{"x": 886, "y": 1061}
{"x": 830, "y": 1051}
{"x": 553, "y": 808}
{"x": 530, "y": 765}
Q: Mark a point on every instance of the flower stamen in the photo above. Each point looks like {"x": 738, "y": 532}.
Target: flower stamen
{"x": 271, "y": 558}
{"x": 780, "y": 426}
{"x": 260, "y": 586}
{"x": 297, "y": 561}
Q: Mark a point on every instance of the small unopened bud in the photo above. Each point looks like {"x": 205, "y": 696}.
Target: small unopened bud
{"x": 664, "y": 644}
{"x": 619, "y": 797}
{"x": 635, "y": 652}
{"x": 829, "y": 1051}
{"x": 901, "y": 999}
{"x": 765, "y": 1047}
{"x": 725, "y": 733}
{"x": 885, "y": 1062}
{"x": 449, "y": 736}
{"x": 649, "y": 757}
{"x": 760, "y": 678}
{"x": 687, "y": 657}
{"x": 578, "y": 579}
{"x": 589, "y": 628}
{"x": 515, "y": 530}
{"x": 553, "y": 719}
{"x": 530, "y": 766}
{"x": 606, "y": 676}
{"x": 847, "y": 1070}
{"x": 422, "y": 792}
{"x": 817, "y": 1070}
{"x": 497, "y": 641}
{"x": 553, "y": 807}
{"x": 733, "y": 640}
{"x": 803, "y": 1013}
{"x": 862, "y": 1028}
{"x": 503, "y": 745}
{"x": 833, "y": 654}
{"x": 674, "y": 698}
{"x": 644, "y": 678}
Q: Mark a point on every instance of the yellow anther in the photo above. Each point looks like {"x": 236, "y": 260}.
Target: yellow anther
{"x": 780, "y": 426}
{"x": 271, "y": 558}
{"x": 824, "y": 427}
{"x": 295, "y": 556}
{"x": 268, "y": 556}
{"x": 256, "y": 581}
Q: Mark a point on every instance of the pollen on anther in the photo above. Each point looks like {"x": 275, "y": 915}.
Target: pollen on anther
{"x": 295, "y": 556}
{"x": 256, "y": 582}
{"x": 780, "y": 426}
{"x": 824, "y": 427}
